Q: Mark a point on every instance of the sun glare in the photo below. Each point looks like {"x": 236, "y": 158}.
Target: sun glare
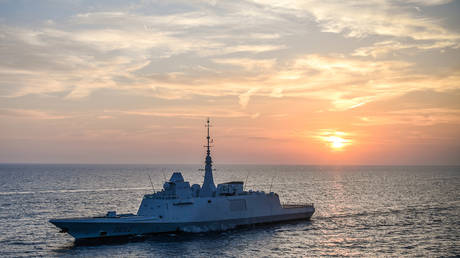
{"x": 335, "y": 140}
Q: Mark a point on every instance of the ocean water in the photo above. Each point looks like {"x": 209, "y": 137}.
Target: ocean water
{"x": 360, "y": 210}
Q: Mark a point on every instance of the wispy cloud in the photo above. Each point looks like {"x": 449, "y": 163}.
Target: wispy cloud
{"x": 31, "y": 114}
{"x": 390, "y": 47}
{"x": 414, "y": 117}
{"x": 183, "y": 113}
{"x": 358, "y": 19}
{"x": 373, "y": 17}
{"x": 245, "y": 97}
{"x": 248, "y": 64}
{"x": 113, "y": 50}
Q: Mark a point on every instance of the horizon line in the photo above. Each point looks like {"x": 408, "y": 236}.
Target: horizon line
{"x": 237, "y": 164}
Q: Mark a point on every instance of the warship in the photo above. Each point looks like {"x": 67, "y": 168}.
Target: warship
{"x": 179, "y": 207}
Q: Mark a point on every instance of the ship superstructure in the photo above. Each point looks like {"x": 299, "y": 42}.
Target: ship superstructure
{"x": 181, "y": 207}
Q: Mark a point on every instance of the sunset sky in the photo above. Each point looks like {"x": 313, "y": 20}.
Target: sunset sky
{"x": 285, "y": 82}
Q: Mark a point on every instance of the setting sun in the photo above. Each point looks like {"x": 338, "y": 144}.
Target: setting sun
{"x": 335, "y": 140}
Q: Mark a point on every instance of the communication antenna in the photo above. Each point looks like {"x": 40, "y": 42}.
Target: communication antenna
{"x": 273, "y": 178}
{"x": 245, "y": 181}
{"x": 208, "y": 183}
{"x": 153, "y": 188}
{"x": 208, "y": 138}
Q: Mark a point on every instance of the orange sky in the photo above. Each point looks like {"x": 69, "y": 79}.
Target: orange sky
{"x": 290, "y": 82}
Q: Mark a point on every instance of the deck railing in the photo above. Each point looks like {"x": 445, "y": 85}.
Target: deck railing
{"x": 297, "y": 205}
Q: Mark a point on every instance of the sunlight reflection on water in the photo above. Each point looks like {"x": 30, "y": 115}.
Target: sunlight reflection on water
{"x": 364, "y": 211}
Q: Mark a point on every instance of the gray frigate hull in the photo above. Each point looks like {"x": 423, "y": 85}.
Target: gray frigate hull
{"x": 93, "y": 228}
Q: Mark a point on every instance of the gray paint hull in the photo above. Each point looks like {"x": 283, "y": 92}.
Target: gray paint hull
{"x": 94, "y": 228}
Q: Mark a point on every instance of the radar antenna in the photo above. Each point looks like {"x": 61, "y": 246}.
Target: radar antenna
{"x": 208, "y": 138}
{"x": 208, "y": 187}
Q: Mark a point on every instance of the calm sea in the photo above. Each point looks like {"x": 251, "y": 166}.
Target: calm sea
{"x": 361, "y": 210}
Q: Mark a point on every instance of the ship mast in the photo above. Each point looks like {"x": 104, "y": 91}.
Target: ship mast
{"x": 208, "y": 187}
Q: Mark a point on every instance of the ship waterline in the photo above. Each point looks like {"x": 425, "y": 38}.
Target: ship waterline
{"x": 86, "y": 228}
